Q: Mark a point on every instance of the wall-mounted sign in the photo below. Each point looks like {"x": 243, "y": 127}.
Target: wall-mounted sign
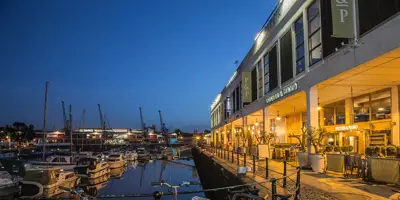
{"x": 246, "y": 87}
{"x": 343, "y": 18}
{"x": 346, "y": 128}
{"x": 285, "y": 91}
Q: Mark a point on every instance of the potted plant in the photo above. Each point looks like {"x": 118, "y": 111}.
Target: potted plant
{"x": 302, "y": 154}
{"x": 317, "y": 159}
{"x": 391, "y": 150}
{"x": 328, "y": 149}
{"x": 337, "y": 149}
{"x": 369, "y": 151}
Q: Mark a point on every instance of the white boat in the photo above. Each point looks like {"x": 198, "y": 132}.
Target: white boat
{"x": 131, "y": 155}
{"x": 142, "y": 154}
{"x": 8, "y": 185}
{"x": 91, "y": 168}
{"x": 38, "y": 183}
{"x": 116, "y": 161}
{"x": 64, "y": 162}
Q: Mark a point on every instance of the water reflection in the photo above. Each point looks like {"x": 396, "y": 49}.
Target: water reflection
{"x": 137, "y": 178}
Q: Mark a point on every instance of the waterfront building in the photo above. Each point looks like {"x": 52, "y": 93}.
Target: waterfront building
{"x": 300, "y": 73}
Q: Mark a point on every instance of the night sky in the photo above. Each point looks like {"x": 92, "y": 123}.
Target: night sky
{"x": 168, "y": 55}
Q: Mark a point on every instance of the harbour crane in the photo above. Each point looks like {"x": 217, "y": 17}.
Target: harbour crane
{"x": 141, "y": 119}
{"x": 102, "y": 125}
{"x": 66, "y": 123}
{"x": 82, "y": 126}
{"x": 163, "y": 129}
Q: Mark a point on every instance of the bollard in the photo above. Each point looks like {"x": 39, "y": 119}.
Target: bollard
{"x": 254, "y": 164}
{"x": 237, "y": 157}
{"x": 273, "y": 184}
{"x": 266, "y": 167}
{"x": 284, "y": 174}
{"x": 244, "y": 159}
{"x": 297, "y": 197}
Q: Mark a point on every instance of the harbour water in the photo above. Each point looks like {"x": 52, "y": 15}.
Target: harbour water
{"x": 137, "y": 178}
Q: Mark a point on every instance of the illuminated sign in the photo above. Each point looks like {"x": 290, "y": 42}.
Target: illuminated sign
{"x": 285, "y": 91}
{"x": 346, "y": 128}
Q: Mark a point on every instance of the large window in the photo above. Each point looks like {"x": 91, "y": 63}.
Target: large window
{"x": 286, "y": 57}
{"x": 273, "y": 68}
{"x": 298, "y": 27}
{"x": 361, "y": 109}
{"x": 266, "y": 73}
{"x": 381, "y": 105}
{"x": 329, "y": 115}
{"x": 260, "y": 83}
{"x": 314, "y": 33}
{"x": 340, "y": 113}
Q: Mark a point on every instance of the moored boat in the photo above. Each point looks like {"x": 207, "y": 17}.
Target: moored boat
{"x": 90, "y": 168}
{"x": 142, "y": 154}
{"x": 39, "y": 183}
{"x": 64, "y": 162}
{"x": 131, "y": 155}
{"x": 116, "y": 161}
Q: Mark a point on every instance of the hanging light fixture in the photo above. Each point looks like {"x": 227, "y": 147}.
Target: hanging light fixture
{"x": 256, "y": 122}
{"x": 278, "y": 117}
{"x": 319, "y": 107}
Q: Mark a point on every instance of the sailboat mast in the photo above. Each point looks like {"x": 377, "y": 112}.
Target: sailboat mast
{"x": 70, "y": 128}
{"x": 44, "y": 121}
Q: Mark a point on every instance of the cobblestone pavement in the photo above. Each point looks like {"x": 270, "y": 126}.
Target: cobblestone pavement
{"x": 311, "y": 187}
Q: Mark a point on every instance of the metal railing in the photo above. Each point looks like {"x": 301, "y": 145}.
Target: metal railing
{"x": 261, "y": 167}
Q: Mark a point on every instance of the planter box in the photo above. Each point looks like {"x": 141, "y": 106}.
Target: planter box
{"x": 303, "y": 159}
{"x": 263, "y": 151}
{"x": 317, "y": 162}
{"x": 385, "y": 170}
{"x": 335, "y": 162}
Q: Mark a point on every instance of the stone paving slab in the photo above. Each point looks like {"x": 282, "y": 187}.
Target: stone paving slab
{"x": 313, "y": 185}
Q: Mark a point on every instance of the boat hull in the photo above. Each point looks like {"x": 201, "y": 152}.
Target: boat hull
{"x": 117, "y": 164}
{"x": 32, "y": 189}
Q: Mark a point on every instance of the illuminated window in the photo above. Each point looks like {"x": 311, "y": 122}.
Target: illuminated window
{"x": 361, "y": 109}
{"x": 314, "y": 33}
{"x": 381, "y": 105}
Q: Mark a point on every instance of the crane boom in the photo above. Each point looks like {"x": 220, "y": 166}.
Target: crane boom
{"x": 64, "y": 116}
{"x": 101, "y": 118}
{"x": 163, "y": 129}
{"x": 141, "y": 119}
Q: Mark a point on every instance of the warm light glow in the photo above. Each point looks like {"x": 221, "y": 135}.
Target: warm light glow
{"x": 256, "y": 123}
{"x": 381, "y": 109}
{"x": 278, "y": 118}
{"x": 252, "y": 128}
{"x": 258, "y": 131}
{"x": 252, "y": 132}
{"x": 330, "y": 140}
{"x": 319, "y": 108}
{"x": 248, "y": 128}
{"x": 240, "y": 130}
{"x": 197, "y": 137}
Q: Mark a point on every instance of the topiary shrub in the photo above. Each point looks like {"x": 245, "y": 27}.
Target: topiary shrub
{"x": 336, "y": 148}
{"x": 391, "y": 150}
{"x": 369, "y": 151}
{"x": 350, "y": 148}
{"x": 328, "y": 148}
{"x": 345, "y": 149}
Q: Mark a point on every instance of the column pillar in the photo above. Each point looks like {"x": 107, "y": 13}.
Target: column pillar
{"x": 225, "y": 135}
{"x": 348, "y": 107}
{"x": 395, "y": 116}
{"x": 312, "y": 113}
{"x": 233, "y": 136}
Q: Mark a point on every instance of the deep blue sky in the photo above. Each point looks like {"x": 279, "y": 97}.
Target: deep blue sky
{"x": 172, "y": 55}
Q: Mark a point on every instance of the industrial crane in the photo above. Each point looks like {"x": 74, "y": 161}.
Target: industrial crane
{"x": 66, "y": 123}
{"x": 141, "y": 119}
{"x": 163, "y": 129}
{"x": 102, "y": 125}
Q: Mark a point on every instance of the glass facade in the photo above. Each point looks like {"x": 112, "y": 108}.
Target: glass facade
{"x": 266, "y": 73}
{"x": 314, "y": 33}
{"x": 260, "y": 79}
{"x": 381, "y": 105}
{"x": 298, "y": 26}
{"x": 340, "y": 113}
{"x": 361, "y": 108}
{"x": 334, "y": 114}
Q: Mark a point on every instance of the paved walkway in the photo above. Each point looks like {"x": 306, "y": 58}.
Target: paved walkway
{"x": 313, "y": 185}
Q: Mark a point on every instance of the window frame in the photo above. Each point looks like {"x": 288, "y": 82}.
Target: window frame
{"x": 260, "y": 82}
{"x": 301, "y": 45}
{"x": 266, "y": 73}
{"x": 316, "y": 31}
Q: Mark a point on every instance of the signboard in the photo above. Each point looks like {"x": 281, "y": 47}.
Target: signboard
{"x": 346, "y": 128}
{"x": 246, "y": 87}
{"x": 285, "y": 91}
{"x": 343, "y": 18}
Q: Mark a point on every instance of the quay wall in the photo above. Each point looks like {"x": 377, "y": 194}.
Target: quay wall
{"x": 213, "y": 175}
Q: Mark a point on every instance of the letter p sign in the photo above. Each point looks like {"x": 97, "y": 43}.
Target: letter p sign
{"x": 343, "y": 14}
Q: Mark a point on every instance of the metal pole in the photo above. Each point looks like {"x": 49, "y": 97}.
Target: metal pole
{"x": 266, "y": 167}
{"x": 244, "y": 161}
{"x": 233, "y": 158}
{"x": 70, "y": 128}
{"x": 224, "y": 153}
{"x": 44, "y": 121}
{"x": 254, "y": 164}
{"x": 273, "y": 183}
{"x": 297, "y": 197}
{"x": 237, "y": 157}
{"x": 284, "y": 174}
